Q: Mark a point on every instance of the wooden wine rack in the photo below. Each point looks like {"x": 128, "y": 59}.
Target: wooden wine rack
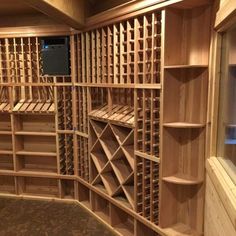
{"x": 113, "y": 160}
{"x": 124, "y": 133}
{"x": 147, "y": 179}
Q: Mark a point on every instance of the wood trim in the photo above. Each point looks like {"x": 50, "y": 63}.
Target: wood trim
{"x": 126, "y": 11}
{"x": 33, "y": 31}
{"x": 224, "y": 186}
{"x": 226, "y": 15}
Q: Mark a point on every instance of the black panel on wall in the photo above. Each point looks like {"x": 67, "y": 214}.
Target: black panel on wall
{"x": 55, "y": 53}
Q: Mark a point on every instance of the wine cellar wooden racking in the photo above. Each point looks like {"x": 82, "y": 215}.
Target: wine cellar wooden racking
{"x": 124, "y": 133}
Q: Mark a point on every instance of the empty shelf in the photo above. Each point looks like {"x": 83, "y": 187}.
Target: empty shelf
{"x": 118, "y": 114}
{"x": 183, "y": 125}
{"x": 29, "y": 106}
{"x": 182, "y": 179}
{"x": 28, "y": 153}
{"x": 185, "y": 66}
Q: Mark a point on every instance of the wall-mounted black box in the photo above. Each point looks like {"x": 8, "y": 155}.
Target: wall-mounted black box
{"x": 55, "y": 54}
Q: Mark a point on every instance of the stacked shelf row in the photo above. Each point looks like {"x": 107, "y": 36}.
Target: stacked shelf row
{"x": 123, "y": 53}
{"x": 185, "y": 85}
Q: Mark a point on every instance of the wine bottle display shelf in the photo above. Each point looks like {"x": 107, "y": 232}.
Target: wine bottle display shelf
{"x": 123, "y": 115}
{"x": 112, "y": 160}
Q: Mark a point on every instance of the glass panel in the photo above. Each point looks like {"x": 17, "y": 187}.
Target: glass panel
{"x": 226, "y": 148}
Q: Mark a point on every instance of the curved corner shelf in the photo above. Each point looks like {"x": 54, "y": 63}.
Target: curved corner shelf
{"x": 183, "y": 125}
{"x": 185, "y": 66}
{"x": 182, "y": 180}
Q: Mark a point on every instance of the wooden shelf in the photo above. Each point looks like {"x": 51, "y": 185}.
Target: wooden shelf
{"x": 181, "y": 229}
{"x": 182, "y": 179}
{"x": 183, "y": 125}
{"x": 29, "y": 106}
{"x": 29, "y": 153}
{"x": 7, "y": 152}
{"x": 5, "y": 132}
{"x": 186, "y": 66}
{"x": 118, "y": 114}
{"x": 26, "y": 133}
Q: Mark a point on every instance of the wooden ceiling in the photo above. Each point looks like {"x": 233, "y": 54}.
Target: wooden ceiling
{"x": 15, "y": 7}
{"x": 40, "y": 12}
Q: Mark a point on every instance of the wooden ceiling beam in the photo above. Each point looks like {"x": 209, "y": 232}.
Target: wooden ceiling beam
{"x": 70, "y": 12}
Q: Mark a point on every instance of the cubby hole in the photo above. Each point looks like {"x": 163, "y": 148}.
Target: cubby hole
{"x": 184, "y": 149}
{"x": 187, "y": 200}
{"x": 6, "y": 162}
{"x": 99, "y": 157}
{"x": 121, "y": 166}
{"x": 185, "y": 97}
{"x": 35, "y": 186}
{"x": 120, "y": 133}
{"x": 25, "y": 123}
{"x": 100, "y": 207}
{"x": 110, "y": 181}
{"x": 84, "y": 195}
{"x": 67, "y": 189}
{"x": 109, "y": 142}
{"x": 40, "y": 145}
{"x": 6, "y": 143}
{"x": 142, "y": 229}
{"x": 183, "y": 43}
{"x": 47, "y": 164}
{"x": 122, "y": 221}
{"x": 7, "y": 184}
{"x": 5, "y": 122}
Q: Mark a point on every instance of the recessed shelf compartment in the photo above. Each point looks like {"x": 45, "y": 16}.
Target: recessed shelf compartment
{"x": 100, "y": 206}
{"x": 185, "y": 98}
{"x": 109, "y": 142}
{"x": 5, "y": 143}
{"x": 35, "y": 124}
{"x": 121, "y": 166}
{"x": 184, "y": 149}
{"x": 84, "y": 195}
{"x": 142, "y": 229}
{"x": 5, "y": 122}
{"x": 184, "y": 46}
{"x": 67, "y": 188}
{"x": 35, "y": 186}
{"x": 32, "y": 145}
{"x": 187, "y": 200}
{"x": 122, "y": 221}
{"x": 6, "y": 162}
{"x": 34, "y": 163}
{"x": 7, "y": 184}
